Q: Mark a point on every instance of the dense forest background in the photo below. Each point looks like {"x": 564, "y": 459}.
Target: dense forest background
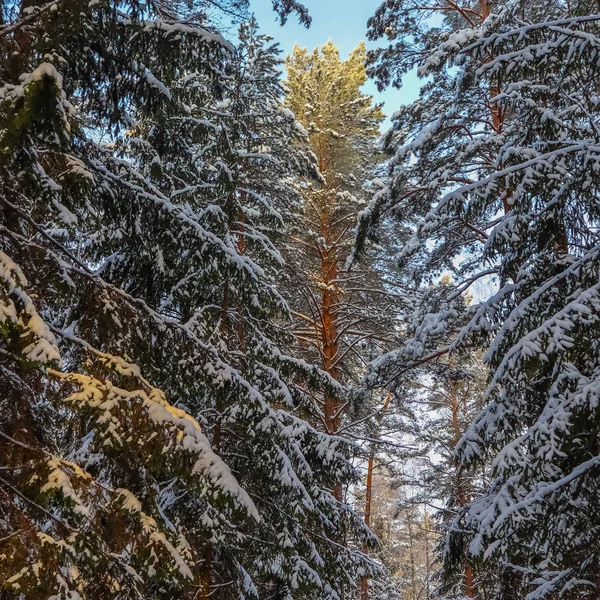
{"x": 253, "y": 349}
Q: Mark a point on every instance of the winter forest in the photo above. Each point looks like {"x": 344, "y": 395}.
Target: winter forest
{"x": 264, "y": 338}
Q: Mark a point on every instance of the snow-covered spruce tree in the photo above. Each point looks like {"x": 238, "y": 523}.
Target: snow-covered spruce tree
{"x": 107, "y": 489}
{"x": 504, "y": 181}
{"x": 87, "y": 442}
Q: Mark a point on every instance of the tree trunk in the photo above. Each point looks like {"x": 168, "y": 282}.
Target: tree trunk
{"x": 364, "y": 584}
{"x": 329, "y": 301}
{"x": 206, "y": 573}
{"x": 462, "y": 494}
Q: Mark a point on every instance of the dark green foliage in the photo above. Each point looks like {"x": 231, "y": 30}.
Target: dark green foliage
{"x": 152, "y": 424}
{"x": 495, "y": 171}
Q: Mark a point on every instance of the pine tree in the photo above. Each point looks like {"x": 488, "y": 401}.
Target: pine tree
{"x": 415, "y": 545}
{"x": 439, "y": 396}
{"x": 344, "y": 309}
{"x": 493, "y": 167}
{"x": 340, "y": 317}
{"x": 453, "y": 396}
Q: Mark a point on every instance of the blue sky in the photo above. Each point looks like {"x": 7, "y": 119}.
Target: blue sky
{"x": 345, "y": 22}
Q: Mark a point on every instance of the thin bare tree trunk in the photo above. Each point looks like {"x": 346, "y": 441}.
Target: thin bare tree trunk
{"x": 364, "y": 584}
